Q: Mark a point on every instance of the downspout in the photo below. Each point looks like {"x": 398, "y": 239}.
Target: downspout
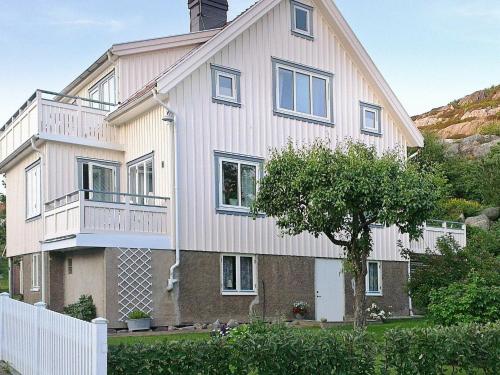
{"x": 171, "y": 117}
{"x": 42, "y": 286}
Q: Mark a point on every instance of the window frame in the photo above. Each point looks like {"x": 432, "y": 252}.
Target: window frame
{"x": 114, "y": 165}
{"x": 379, "y": 278}
{"x": 368, "y": 107}
{"x": 235, "y": 75}
{"x": 311, "y": 72}
{"x": 35, "y": 272}
{"x": 99, "y": 88}
{"x": 239, "y": 159}
{"x": 135, "y": 163}
{"x": 309, "y": 10}
{"x": 238, "y": 291}
{"x": 29, "y": 216}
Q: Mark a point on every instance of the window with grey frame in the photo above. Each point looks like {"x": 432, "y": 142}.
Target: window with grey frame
{"x": 302, "y": 92}
{"x": 371, "y": 118}
{"x": 238, "y": 274}
{"x": 103, "y": 91}
{"x": 99, "y": 179}
{"x": 141, "y": 179}
{"x": 226, "y": 85}
{"x": 302, "y": 19}
{"x": 237, "y": 178}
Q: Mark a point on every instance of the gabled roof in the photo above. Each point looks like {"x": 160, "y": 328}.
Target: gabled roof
{"x": 141, "y": 46}
{"x": 198, "y": 56}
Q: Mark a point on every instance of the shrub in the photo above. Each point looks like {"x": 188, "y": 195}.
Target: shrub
{"x": 493, "y": 128}
{"x": 484, "y": 240}
{"x": 452, "y": 209}
{"x": 439, "y": 269}
{"x": 471, "y": 301}
{"x": 138, "y": 314}
{"x": 488, "y": 177}
{"x": 430, "y": 350}
{"x": 84, "y": 309}
{"x": 252, "y": 350}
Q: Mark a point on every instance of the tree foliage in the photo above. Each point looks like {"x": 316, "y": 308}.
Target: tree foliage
{"x": 341, "y": 192}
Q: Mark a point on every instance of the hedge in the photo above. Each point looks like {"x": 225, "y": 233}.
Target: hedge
{"x": 290, "y": 351}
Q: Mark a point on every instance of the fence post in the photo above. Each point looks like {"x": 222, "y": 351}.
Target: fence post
{"x": 3, "y": 300}
{"x": 38, "y": 344}
{"x": 100, "y": 346}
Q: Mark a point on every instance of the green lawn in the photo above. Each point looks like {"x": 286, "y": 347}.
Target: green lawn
{"x": 377, "y": 329}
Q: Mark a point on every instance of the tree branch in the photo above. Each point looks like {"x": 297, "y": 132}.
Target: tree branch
{"x": 332, "y": 238}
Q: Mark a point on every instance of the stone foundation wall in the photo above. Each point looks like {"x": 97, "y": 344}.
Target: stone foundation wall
{"x": 281, "y": 280}
{"x": 394, "y": 278}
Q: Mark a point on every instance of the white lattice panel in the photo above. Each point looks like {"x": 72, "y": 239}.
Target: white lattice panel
{"x": 134, "y": 281}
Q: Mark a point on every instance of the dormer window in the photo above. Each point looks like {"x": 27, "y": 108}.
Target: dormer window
{"x": 226, "y": 85}
{"x": 371, "y": 119}
{"x": 103, "y": 91}
{"x": 302, "y": 24}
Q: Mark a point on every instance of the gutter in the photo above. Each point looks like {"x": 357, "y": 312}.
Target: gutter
{"x": 171, "y": 118}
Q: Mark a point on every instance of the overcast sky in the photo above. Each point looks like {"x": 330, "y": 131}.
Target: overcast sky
{"x": 430, "y": 51}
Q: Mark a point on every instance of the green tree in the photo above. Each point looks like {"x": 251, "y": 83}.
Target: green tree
{"x": 488, "y": 176}
{"x": 340, "y": 193}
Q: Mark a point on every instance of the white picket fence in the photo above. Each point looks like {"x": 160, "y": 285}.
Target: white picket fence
{"x": 34, "y": 340}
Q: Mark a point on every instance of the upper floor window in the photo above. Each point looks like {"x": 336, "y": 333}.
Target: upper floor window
{"x": 237, "y": 178}
{"x": 374, "y": 278}
{"x": 103, "y": 91}
{"x": 302, "y": 92}
{"x": 98, "y": 178}
{"x": 226, "y": 85}
{"x": 371, "y": 118}
{"x": 302, "y": 21}
{"x": 141, "y": 178}
{"x": 33, "y": 190}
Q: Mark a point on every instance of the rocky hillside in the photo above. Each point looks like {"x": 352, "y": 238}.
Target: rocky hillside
{"x": 471, "y": 125}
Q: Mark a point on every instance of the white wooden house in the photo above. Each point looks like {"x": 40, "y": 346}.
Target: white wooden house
{"x": 133, "y": 184}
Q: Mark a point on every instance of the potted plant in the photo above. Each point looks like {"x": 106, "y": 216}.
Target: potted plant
{"x": 300, "y": 309}
{"x": 138, "y": 320}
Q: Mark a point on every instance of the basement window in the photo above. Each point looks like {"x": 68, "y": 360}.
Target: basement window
{"x": 302, "y": 24}
{"x": 226, "y": 85}
{"x": 371, "y": 119}
{"x": 238, "y": 274}
{"x": 35, "y": 272}
{"x": 374, "y": 279}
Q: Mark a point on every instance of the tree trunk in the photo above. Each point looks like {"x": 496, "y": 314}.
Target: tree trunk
{"x": 360, "y": 293}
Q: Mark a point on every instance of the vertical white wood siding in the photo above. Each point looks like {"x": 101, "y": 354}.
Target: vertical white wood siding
{"x": 138, "y": 69}
{"x": 252, "y": 129}
{"x": 22, "y": 236}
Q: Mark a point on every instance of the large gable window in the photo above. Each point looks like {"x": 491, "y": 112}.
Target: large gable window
{"x": 226, "y": 85}
{"x": 371, "y": 118}
{"x": 302, "y": 24}
{"x": 237, "y": 178}
{"x": 302, "y": 92}
{"x": 33, "y": 190}
{"x": 103, "y": 91}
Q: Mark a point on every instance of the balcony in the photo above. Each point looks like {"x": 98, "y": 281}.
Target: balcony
{"x": 46, "y": 118}
{"x": 433, "y": 230}
{"x": 87, "y": 218}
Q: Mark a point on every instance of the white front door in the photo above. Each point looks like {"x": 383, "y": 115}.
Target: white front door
{"x": 330, "y": 293}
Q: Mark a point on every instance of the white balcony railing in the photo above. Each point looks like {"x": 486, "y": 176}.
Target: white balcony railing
{"x": 435, "y": 229}
{"x": 47, "y": 118}
{"x": 92, "y": 212}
